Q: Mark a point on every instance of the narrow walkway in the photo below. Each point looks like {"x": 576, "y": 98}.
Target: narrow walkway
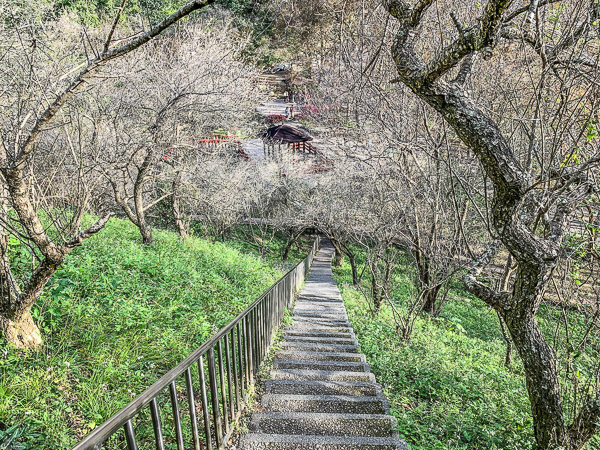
{"x": 322, "y": 394}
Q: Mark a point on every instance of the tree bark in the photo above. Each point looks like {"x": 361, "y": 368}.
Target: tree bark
{"x": 288, "y": 247}
{"x": 506, "y": 336}
{"x": 138, "y": 198}
{"x": 21, "y": 331}
{"x": 291, "y": 242}
{"x": 339, "y": 258}
{"x": 176, "y": 204}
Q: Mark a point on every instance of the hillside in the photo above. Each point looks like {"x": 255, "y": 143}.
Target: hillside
{"x": 115, "y": 317}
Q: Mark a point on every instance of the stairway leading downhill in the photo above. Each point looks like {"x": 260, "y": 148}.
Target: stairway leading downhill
{"x": 322, "y": 394}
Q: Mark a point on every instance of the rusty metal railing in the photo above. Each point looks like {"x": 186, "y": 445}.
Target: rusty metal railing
{"x": 196, "y": 404}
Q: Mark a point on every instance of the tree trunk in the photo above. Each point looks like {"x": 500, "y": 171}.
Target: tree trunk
{"x": 539, "y": 359}
{"x": 513, "y": 211}
{"x": 288, "y": 247}
{"x": 138, "y": 198}
{"x": 375, "y": 291}
{"x": 181, "y": 228}
{"x": 430, "y": 300}
{"x": 505, "y": 334}
{"x": 146, "y": 232}
{"x": 352, "y": 260}
{"x": 291, "y": 241}
{"x": 377, "y": 298}
{"x": 339, "y": 258}
{"x": 21, "y": 331}
{"x": 430, "y": 294}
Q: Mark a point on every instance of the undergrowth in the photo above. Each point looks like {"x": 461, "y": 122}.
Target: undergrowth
{"x": 115, "y": 318}
{"x": 448, "y": 386}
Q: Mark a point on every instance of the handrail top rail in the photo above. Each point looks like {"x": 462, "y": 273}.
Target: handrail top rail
{"x": 95, "y": 439}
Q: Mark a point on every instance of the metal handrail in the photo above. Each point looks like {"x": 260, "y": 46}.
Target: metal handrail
{"x": 240, "y": 348}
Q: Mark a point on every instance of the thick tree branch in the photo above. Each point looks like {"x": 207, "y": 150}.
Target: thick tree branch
{"x": 89, "y": 232}
{"x": 497, "y": 300}
{"x": 515, "y": 34}
{"x": 533, "y": 7}
{"x": 466, "y": 68}
{"x": 113, "y": 27}
{"x": 157, "y": 201}
{"x": 527, "y": 8}
{"x": 420, "y": 8}
{"x": 121, "y": 201}
{"x": 473, "y": 39}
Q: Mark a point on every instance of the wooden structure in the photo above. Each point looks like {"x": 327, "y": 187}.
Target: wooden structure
{"x": 224, "y": 140}
{"x": 296, "y": 139}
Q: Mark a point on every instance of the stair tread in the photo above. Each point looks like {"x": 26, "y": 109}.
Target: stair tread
{"x": 308, "y": 355}
{"x": 322, "y": 374}
{"x": 320, "y": 416}
{"x": 324, "y": 442}
{"x": 321, "y": 386}
{"x": 343, "y": 365}
{"x": 332, "y": 346}
{"x": 326, "y": 398}
{"x": 320, "y": 339}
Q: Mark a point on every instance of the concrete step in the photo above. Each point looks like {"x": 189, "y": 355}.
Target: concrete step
{"x": 321, "y": 356}
{"x": 322, "y": 340}
{"x": 318, "y": 321}
{"x": 320, "y": 306}
{"x": 305, "y": 298}
{"x": 300, "y": 387}
{"x": 318, "y": 347}
{"x": 319, "y": 303}
{"x": 299, "y": 327}
{"x": 304, "y": 364}
{"x": 323, "y": 424}
{"x": 325, "y": 404}
{"x": 321, "y": 309}
{"x": 343, "y": 333}
{"x": 321, "y": 375}
{"x": 321, "y": 323}
{"x": 340, "y": 309}
{"x": 325, "y": 315}
{"x": 261, "y": 441}
{"x": 343, "y": 316}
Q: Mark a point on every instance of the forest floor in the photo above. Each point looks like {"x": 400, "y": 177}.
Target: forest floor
{"x": 448, "y": 386}
{"x": 115, "y": 318}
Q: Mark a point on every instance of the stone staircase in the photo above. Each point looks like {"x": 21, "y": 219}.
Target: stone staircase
{"x": 322, "y": 394}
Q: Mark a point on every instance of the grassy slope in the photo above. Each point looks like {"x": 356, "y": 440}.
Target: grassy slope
{"x": 448, "y": 387}
{"x": 115, "y": 318}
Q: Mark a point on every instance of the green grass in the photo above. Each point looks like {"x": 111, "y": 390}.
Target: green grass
{"x": 115, "y": 318}
{"x": 448, "y": 387}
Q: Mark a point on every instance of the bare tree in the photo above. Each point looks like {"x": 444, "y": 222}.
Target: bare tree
{"x": 191, "y": 84}
{"x": 32, "y": 101}
{"x": 537, "y": 184}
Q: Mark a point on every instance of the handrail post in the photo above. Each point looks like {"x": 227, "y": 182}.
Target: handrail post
{"x": 205, "y": 412}
{"x": 212, "y": 375}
